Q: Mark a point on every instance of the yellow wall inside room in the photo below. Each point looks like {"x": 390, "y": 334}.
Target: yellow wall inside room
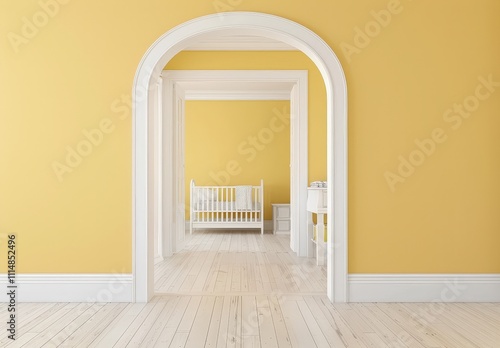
{"x": 77, "y": 70}
{"x": 287, "y": 60}
{"x": 220, "y": 149}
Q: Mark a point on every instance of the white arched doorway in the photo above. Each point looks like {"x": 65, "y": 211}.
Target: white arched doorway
{"x": 150, "y": 68}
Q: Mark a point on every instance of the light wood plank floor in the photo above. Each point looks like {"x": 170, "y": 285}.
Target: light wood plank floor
{"x": 222, "y": 262}
{"x": 300, "y": 321}
{"x": 244, "y": 290}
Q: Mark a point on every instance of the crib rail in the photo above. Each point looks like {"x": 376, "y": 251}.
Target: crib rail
{"x": 217, "y": 207}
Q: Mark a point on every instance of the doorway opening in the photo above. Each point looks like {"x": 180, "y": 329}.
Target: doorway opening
{"x": 240, "y": 23}
{"x": 178, "y": 86}
{"x": 214, "y": 112}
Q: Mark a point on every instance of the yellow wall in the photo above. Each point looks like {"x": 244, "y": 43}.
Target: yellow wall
{"x": 284, "y": 60}
{"x": 77, "y": 69}
{"x": 239, "y": 143}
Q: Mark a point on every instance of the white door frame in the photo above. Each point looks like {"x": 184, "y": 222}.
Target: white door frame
{"x": 149, "y": 70}
{"x": 235, "y": 85}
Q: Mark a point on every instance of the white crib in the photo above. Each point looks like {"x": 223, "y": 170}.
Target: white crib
{"x": 214, "y": 207}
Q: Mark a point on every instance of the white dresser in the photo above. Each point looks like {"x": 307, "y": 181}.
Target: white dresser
{"x": 281, "y": 218}
{"x": 316, "y": 204}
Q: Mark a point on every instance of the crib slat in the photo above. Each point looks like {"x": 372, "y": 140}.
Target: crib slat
{"x": 257, "y": 193}
{"x": 226, "y": 206}
{"x": 256, "y": 204}
{"x": 195, "y": 204}
{"x": 211, "y": 204}
{"x": 220, "y": 201}
{"x": 197, "y": 190}
{"x": 200, "y": 197}
{"x": 198, "y": 204}
{"x": 207, "y": 203}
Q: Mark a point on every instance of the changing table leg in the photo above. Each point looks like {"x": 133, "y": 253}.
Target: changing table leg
{"x": 320, "y": 241}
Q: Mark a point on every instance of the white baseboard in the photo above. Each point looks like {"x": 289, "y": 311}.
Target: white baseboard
{"x": 424, "y": 288}
{"x": 362, "y": 288}
{"x": 70, "y": 288}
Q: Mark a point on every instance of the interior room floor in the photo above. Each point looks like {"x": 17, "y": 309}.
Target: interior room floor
{"x": 301, "y": 321}
{"x": 247, "y": 290}
{"x": 227, "y": 262}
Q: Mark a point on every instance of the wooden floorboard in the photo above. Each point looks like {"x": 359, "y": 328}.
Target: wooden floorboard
{"x": 246, "y": 262}
{"x": 245, "y": 290}
{"x": 241, "y": 320}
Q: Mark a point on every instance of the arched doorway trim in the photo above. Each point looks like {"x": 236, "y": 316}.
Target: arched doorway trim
{"x": 149, "y": 70}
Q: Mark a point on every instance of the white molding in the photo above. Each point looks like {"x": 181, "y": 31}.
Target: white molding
{"x": 236, "y": 95}
{"x": 235, "y": 84}
{"x": 292, "y": 82}
{"x": 167, "y": 164}
{"x": 70, "y": 288}
{"x": 239, "y": 23}
{"x": 424, "y": 287}
{"x": 190, "y": 78}
{"x": 240, "y": 43}
{"x": 179, "y": 170}
{"x": 158, "y": 170}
